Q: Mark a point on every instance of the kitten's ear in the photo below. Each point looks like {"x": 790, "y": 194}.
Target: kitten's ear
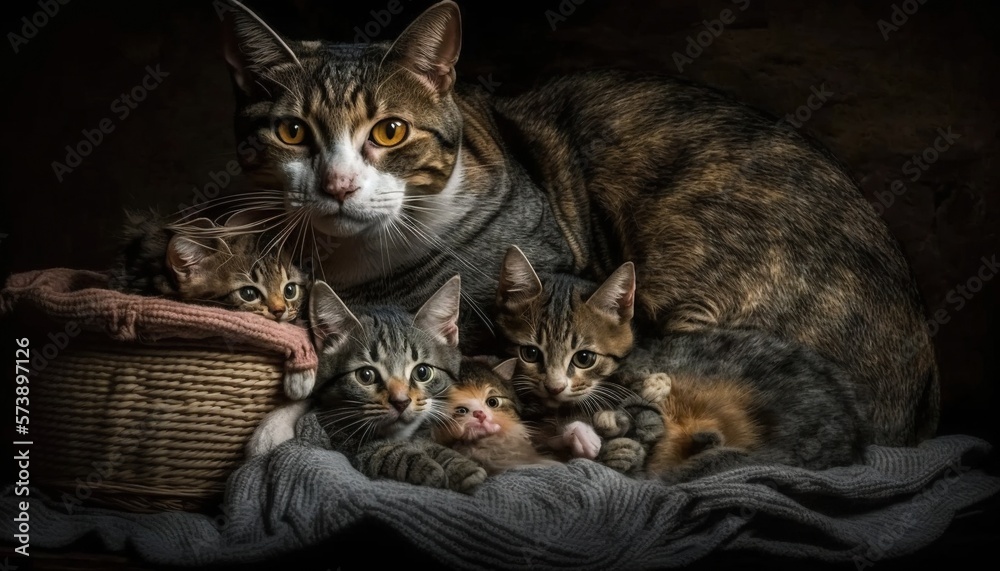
{"x": 438, "y": 316}
{"x": 250, "y": 45}
{"x": 430, "y": 45}
{"x": 518, "y": 281}
{"x": 184, "y": 256}
{"x": 506, "y": 369}
{"x": 616, "y": 296}
{"x": 330, "y": 321}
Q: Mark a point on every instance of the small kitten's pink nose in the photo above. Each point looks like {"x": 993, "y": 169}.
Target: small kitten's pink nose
{"x": 555, "y": 390}
{"x": 340, "y": 186}
{"x": 480, "y": 415}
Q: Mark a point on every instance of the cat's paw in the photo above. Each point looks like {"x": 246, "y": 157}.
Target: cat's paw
{"x": 611, "y": 423}
{"x": 463, "y": 474}
{"x": 623, "y": 455}
{"x": 656, "y": 387}
{"x": 298, "y": 384}
{"x": 277, "y": 427}
{"x": 581, "y": 440}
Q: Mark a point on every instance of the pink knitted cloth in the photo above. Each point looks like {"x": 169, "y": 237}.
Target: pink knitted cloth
{"x": 82, "y": 296}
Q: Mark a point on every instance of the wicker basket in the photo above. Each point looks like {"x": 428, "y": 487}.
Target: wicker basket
{"x": 147, "y": 404}
{"x": 148, "y": 427}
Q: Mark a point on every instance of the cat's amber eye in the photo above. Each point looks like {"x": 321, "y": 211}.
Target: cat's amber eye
{"x": 493, "y": 402}
{"x": 389, "y": 132}
{"x": 367, "y": 375}
{"x": 584, "y": 359}
{"x": 423, "y": 373}
{"x": 249, "y": 294}
{"x": 292, "y": 292}
{"x": 291, "y": 131}
{"x": 530, "y": 354}
{"x": 461, "y": 410}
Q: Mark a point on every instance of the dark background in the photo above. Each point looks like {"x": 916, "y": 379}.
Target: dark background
{"x": 890, "y": 95}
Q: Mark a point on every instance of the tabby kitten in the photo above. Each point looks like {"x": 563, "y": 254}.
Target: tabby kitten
{"x": 485, "y": 420}
{"x": 198, "y": 261}
{"x": 383, "y": 380}
{"x": 726, "y": 397}
{"x": 732, "y": 221}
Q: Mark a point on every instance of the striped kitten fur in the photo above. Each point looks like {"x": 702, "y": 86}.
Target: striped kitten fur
{"x": 195, "y": 262}
{"x": 725, "y": 398}
{"x": 383, "y": 381}
{"x": 733, "y": 221}
{"x": 485, "y": 419}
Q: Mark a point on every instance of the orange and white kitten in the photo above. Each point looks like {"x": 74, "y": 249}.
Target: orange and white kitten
{"x": 484, "y": 419}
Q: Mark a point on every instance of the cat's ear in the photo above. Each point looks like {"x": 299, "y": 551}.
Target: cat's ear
{"x": 506, "y": 369}
{"x": 330, "y": 321}
{"x": 518, "y": 281}
{"x": 438, "y": 316}
{"x": 185, "y": 255}
{"x": 430, "y": 45}
{"x": 250, "y": 45}
{"x": 616, "y": 296}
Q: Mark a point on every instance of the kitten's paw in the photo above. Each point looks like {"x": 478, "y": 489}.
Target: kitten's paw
{"x": 611, "y": 423}
{"x": 464, "y": 476}
{"x": 656, "y": 387}
{"x": 421, "y": 470}
{"x": 277, "y": 427}
{"x": 623, "y": 455}
{"x": 581, "y": 439}
{"x": 298, "y": 384}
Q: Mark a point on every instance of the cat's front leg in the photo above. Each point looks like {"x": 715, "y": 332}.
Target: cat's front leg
{"x": 403, "y": 461}
{"x": 299, "y": 384}
{"x": 581, "y": 440}
{"x": 463, "y": 474}
{"x": 277, "y": 427}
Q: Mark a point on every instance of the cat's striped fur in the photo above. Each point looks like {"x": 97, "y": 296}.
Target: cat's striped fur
{"x": 732, "y": 221}
{"x": 383, "y": 382}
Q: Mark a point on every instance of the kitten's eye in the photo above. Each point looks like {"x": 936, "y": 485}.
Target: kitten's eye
{"x": 461, "y": 410}
{"x": 423, "y": 373}
{"x": 493, "y": 402}
{"x": 367, "y": 375}
{"x": 530, "y": 354}
{"x": 291, "y": 131}
{"x": 389, "y": 132}
{"x": 584, "y": 359}
{"x": 291, "y": 292}
{"x": 249, "y": 294}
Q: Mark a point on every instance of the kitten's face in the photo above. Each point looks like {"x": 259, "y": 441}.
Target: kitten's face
{"x": 232, "y": 271}
{"x": 481, "y": 404}
{"x": 383, "y": 373}
{"x": 568, "y": 334}
{"x": 361, "y": 136}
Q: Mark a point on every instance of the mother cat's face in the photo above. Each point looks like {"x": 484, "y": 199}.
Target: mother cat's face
{"x": 359, "y": 136}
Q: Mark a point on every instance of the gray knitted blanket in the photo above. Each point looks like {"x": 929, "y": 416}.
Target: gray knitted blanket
{"x": 581, "y": 515}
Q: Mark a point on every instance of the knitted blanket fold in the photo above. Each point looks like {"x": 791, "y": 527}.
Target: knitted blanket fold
{"x": 82, "y": 296}
{"x": 581, "y": 515}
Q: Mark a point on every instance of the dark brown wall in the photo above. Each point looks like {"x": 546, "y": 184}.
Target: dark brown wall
{"x": 890, "y": 95}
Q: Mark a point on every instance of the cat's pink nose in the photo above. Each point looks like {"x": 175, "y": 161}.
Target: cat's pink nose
{"x": 556, "y": 390}
{"x": 400, "y": 404}
{"x": 480, "y": 415}
{"x": 340, "y": 186}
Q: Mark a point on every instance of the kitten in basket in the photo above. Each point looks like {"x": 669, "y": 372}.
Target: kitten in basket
{"x": 201, "y": 262}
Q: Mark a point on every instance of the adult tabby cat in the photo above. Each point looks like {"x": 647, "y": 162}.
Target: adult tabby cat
{"x": 383, "y": 380}
{"x": 726, "y": 397}
{"x": 732, "y": 221}
{"x": 197, "y": 261}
